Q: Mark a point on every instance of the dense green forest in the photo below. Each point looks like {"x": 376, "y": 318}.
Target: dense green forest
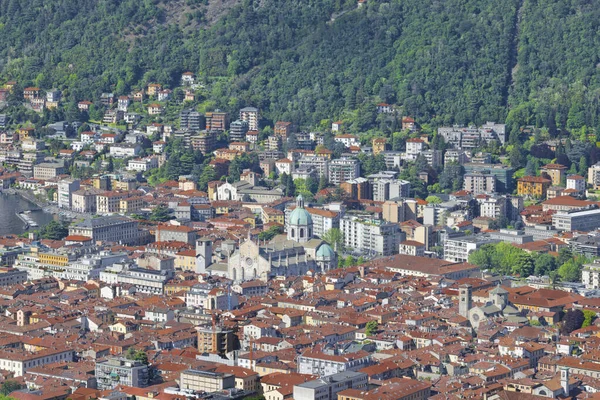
{"x": 453, "y": 61}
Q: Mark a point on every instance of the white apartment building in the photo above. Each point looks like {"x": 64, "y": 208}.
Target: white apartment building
{"x": 457, "y": 249}
{"x": 478, "y": 183}
{"x": 576, "y": 182}
{"x": 371, "y": 237}
{"x": 319, "y": 163}
{"x": 317, "y": 363}
{"x": 251, "y": 116}
{"x": 142, "y": 164}
{"x": 343, "y": 169}
{"x": 347, "y": 140}
{"x": 492, "y": 207}
{"x": 19, "y": 362}
{"x": 66, "y": 187}
{"x": 590, "y": 275}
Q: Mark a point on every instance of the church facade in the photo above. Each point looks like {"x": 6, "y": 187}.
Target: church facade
{"x": 294, "y": 255}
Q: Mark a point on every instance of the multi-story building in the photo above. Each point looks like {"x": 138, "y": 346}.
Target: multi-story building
{"x": 283, "y": 129}
{"x": 358, "y": 189}
{"x": 109, "y": 229}
{"x": 238, "y": 130}
{"x": 217, "y": 121}
{"x": 493, "y": 206}
{"x": 457, "y": 249}
{"x": 478, "y": 183}
{"x": 414, "y": 147}
{"x": 412, "y": 248}
{"x": 190, "y": 119}
{"x": 205, "y": 381}
{"x": 343, "y": 169}
{"x": 66, "y": 188}
{"x": 577, "y": 220}
{"x": 215, "y": 340}
{"x": 456, "y": 156}
{"x": 471, "y": 137}
{"x": 204, "y": 141}
{"x": 109, "y": 202}
{"x": 593, "y": 177}
{"x": 251, "y": 116}
{"x": 534, "y": 186}
{"x": 320, "y": 163}
{"x": 317, "y": 363}
{"x": 590, "y": 275}
{"x": 121, "y": 371}
{"x": 386, "y": 189}
{"x": 48, "y": 170}
{"x": 379, "y": 145}
{"x": 123, "y": 150}
{"x": 19, "y": 362}
{"x": 433, "y": 157}
{"x": 576, "y": 182}
{"x": 142, "y": 164}
{"x": 370, "y": 236}
{"x": 327, "y": 388}
{"x": 556, "y": 172}
{"x": 84, "y": 200}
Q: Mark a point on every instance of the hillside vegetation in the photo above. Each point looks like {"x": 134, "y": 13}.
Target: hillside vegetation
{"x": 451, "y": 61}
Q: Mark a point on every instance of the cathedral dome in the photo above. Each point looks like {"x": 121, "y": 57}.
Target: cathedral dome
{"x": 325, "y": 252}
{"x": 300, "y": 216}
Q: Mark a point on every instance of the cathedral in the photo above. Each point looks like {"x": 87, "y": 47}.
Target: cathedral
{"x": 293, "y": 255}
{"x": 497, "y": 306}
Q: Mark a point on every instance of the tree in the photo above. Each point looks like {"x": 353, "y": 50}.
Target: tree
{"x": 335, "y": 238}
{"x": 588, "y": 317}
{"x": 571, "y": 321}
{"x": 516, "y": 157}
{"x": 322, "y": 182}
{"x": 371, "y": 328}
{"x": 54, "y": 230}
{"x": 570, "y": 271}
{"x": 544, "y": 264}
{"x": 270, "y": 233}
{"x": 9, "y": 386}
{"x": 350, "y": 261}
{"x": 160, "y": 213}
{"x": 111, "y": 165}
{"x": 137, "y": 355}
{"x": 583, "y": 166}
{"x": 433, "y": 200}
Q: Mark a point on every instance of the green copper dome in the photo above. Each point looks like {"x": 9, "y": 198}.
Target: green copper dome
{"x": 300, "y": 216}
{"x": 325, "y": 251}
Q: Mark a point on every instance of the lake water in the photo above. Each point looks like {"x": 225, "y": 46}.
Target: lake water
{"x": 12, "y": 204}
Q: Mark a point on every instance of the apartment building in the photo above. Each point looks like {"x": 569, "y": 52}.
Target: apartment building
{"x": 48, "y": 170}
{"x": 319, "y": 163}
{"x": 314, "y": 362}
{"x": 66, "y": 188}
{"x": 205, "y": 381}
{"x": 238, "y": 130}
{"x": 121, "y": 371}
{"x": 370, "y": 236}
{"x": 110, "y": 229}
{"x": 457, "y": 249}
{"x": 328, "y": 387}
{"x": 251, "y": 116}
{"x": 478, "y": 183}
{"x": 18, "y": 361}
{"x": 343, "y": 169}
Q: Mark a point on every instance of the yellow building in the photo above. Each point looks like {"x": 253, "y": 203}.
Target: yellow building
{"x": 54, "y": 259}
{"x": 270, "y": 214}
{"x": 534, "y": 186}
{"x": 379, "y": 145}
{"x": 556, "y": 172}
{"x": 185, "y": 260}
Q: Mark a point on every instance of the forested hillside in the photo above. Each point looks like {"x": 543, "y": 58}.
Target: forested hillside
{"x": 452, "y": 61}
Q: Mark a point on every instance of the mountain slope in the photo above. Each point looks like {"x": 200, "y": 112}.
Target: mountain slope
{"x": 452, "y": 61}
